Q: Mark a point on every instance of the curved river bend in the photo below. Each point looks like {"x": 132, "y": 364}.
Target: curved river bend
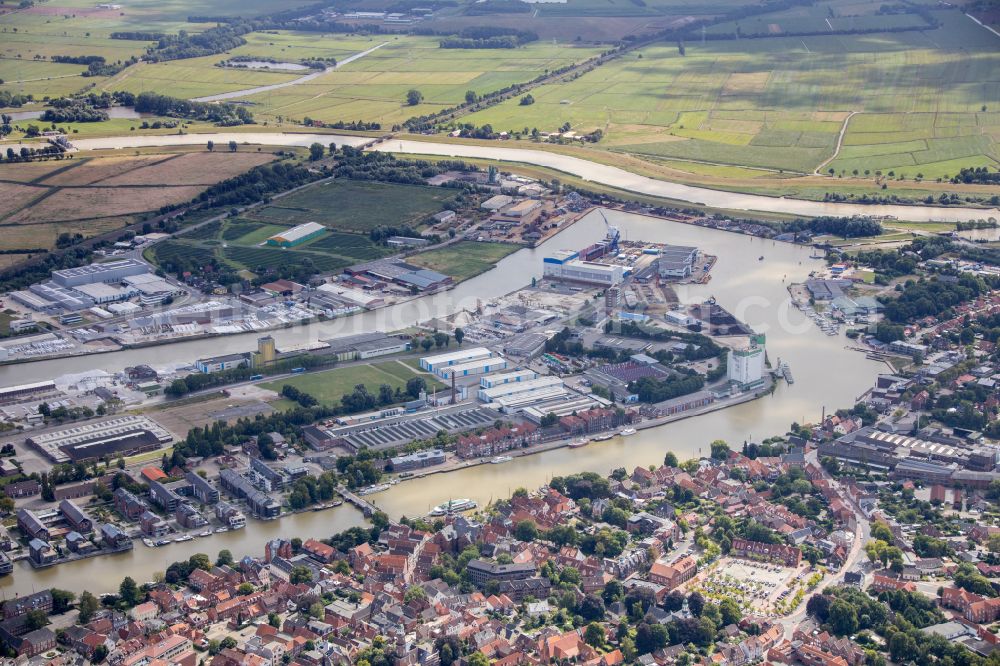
{"x": 827, "y": 375}
{"x": 576, "y": 166}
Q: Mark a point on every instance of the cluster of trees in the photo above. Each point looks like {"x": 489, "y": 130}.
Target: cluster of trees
{"x": 257, "y": 184}
{"x": 385, "y": 167}
{"x": 309, "y": 490}
{"x": 981, "y": 175}
{"x": 225, "y": 115}
{"x": 9, "y": 99}
{"x": 96, "y": 65}
{"x": 73, "y": 111}
{"x": 26, "y": 154}
{"x": 933, "y": 297}
{"x": 138, "y": 36}
{"x": 196, "y": 45}
{"x": 360, "y": 470}
{"x": 845, "y": 227}
{"x": 489, "y": 37}
{"x": 650, "y": 389}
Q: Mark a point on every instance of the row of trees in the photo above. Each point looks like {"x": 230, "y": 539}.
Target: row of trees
{"x": 226, "y": 115}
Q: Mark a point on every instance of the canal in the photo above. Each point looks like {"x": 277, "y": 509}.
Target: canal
{"x": 754, "y": 289}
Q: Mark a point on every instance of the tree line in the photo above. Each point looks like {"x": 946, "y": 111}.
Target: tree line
{"x": 226, "y": 115}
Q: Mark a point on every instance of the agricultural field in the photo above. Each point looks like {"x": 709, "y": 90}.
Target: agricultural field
{"x": 464, "y": 259}
{"x": 374, "y": 87}
{"x": 329, "y": 385}
{"x": 94, "y": 195}
{"x": 780, "y": 103}
{"x": 345, "y": 207}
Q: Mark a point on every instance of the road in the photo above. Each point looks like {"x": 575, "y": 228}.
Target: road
{"x": 840, "y": 142}
{"x": 294, "y": 82}
{"x": 586, "y": 169}
{"x": 862, "y": 534}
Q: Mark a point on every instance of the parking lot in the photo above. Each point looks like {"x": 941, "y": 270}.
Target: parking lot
{"x": 755, "y": 586}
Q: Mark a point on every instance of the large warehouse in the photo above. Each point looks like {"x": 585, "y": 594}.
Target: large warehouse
{"x": 121, "y": 436}
{"x": 528, "y": 387}
{"x": 481, "y": 366}
{"x": 439, "y": 361}
{"x": 111, "y": 271}
{"x": 297, "y": 235}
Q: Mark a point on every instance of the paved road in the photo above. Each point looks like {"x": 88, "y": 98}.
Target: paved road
{"x": 294, "y": 82}
{"x": 862, "y": 534}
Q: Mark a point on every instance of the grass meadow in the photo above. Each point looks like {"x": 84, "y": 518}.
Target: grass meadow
{"x": 329, "y": 385}
{"x": 780, "y": 103}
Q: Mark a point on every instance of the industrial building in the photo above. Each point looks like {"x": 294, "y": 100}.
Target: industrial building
{"x": 676, "y": 261}
{"x": 745, "y": 367}
{"x": 439, "y": 361}
{"x": 22, "y": 392}
{"x": 489, "y": 381}
{"x": 364, "y": 346}
{"x": 220, "y": 363}
{"x": 108, "y": 272}
{"x": 566, "y": 265}
{"x": 393, "y": 271}
{"x": 339, "y": 296}
{"x": 151, "y": 289}
{"x": 297, "y": 235}
{"x": 480, "y": 366}
{"x": 529, "y": 387}
{"x": 124, "y": 435}
{"x": 401, "y": 429}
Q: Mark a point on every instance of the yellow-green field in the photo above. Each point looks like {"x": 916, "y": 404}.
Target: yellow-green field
{"x": 372, "y": 88}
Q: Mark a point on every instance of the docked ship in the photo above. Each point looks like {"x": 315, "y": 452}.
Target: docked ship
{"x": 453, "y": 506}
{"x": 577, "y": 443}
{"x": 371, "y": 490}
{"x": 627, "y": 431}
{"x": 501, "y": 459}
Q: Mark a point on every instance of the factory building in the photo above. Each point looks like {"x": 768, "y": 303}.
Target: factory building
{"x": 676, "y": 261}
{"x": 101, "y": 293}
{"x": 220, "y": 363}
{"x": 566, "y": 265}
{"x": 519, "y": 388}
{"x": 266, "y": 353}
{"x": 745, "y": 367}
{"x": 439, "y": 361}
{"x": 152, "y": 289}
{"x": 364, "y": 346}
{"x": 109, "y": 272}
{"x": 418, "y": 460}
{"x": 21, "y": 392}
{"x": 500, "y": 378}
{"x": 297, "y": 235}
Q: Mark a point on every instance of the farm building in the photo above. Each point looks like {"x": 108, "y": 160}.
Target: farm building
{"x": 297, "y": 235}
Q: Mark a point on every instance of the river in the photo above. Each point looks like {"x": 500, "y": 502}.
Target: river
{"x": 576, "y": 166}
{"x": 826, "y": 374}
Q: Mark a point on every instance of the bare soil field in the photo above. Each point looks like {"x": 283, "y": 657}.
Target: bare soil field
{"x": 191, "y": 169}
{"x": 92, "y": 171}
{"x": 92, "y": 202}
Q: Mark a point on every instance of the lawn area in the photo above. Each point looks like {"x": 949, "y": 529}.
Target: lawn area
{"x": 357, "y": 206}
{"x": 779, "y": 103}
{"x": 464, "y": 259}
{"x": 329, "y": 385}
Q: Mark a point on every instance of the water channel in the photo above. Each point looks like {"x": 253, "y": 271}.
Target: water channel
{"x": 826, "y": 375}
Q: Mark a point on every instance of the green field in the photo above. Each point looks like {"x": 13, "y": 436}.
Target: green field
{"x": 328, "y": 386}
{"x": 779, "y": 103}
{"x": 349, "y": 205}
{"x": 464, "y": 259}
